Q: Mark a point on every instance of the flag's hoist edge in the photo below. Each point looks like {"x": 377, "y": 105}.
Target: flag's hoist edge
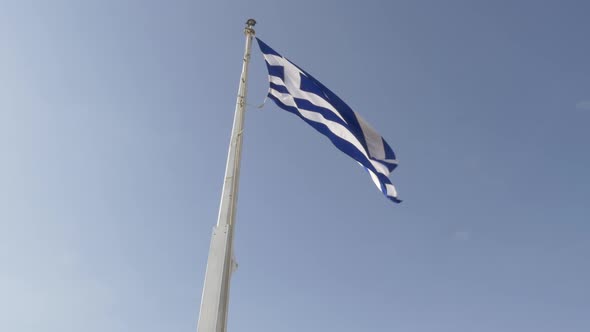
{"x": 296, "y": 91}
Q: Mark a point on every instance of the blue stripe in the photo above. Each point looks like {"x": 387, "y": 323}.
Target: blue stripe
{"x": 390, "y": 166}
{"x": 389, "y": 154}
{"x": 326, "y": 113}
{"x": 265, "y": 48}
{"x": 279, "y": 88}
{"x": 309, "y": 85}
{"x": 278, "y": 71}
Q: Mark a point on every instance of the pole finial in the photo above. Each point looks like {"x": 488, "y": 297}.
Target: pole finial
{"x": 250, "y": 23}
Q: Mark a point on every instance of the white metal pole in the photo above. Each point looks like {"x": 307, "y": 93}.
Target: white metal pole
{"x": 220, "y": 264}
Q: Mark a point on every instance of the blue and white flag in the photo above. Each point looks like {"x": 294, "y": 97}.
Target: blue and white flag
{"x": 296, "y": 91}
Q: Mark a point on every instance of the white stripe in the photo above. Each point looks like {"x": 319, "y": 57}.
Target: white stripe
{"x": 391, "y": 190}
{"x": 336, "y": 128}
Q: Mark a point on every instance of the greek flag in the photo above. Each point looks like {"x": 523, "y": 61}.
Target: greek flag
{"x": 296, "y": 91}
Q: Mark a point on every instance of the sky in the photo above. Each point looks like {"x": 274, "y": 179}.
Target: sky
{"x": 114, "y": 127}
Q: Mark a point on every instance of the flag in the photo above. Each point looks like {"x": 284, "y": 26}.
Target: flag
{"x": 296, "y": 91}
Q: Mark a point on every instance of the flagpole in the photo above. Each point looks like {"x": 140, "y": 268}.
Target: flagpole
{"x": 221, "y": 263}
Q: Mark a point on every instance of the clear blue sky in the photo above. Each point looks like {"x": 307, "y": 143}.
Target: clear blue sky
{"x": 114, "y": 125}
